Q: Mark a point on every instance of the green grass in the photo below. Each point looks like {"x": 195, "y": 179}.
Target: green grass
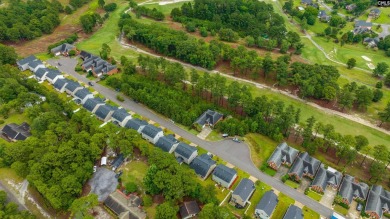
{"x": 261, "y": 188}
{"x": 44, "y": 56}
{"x": 382, "y": 19}
{"x": 283, "y": 204}
{"x": 314, "y": 195}
{"x": 340, "y": 210}
{"x": 9, "y": 174}
{"x": 270, "y": 172}
{"x": 261, "y": 147}
{"x": 221, "y": 193}
{"x": 292, "y": 184}
{"x": 310, "y": 214}
{"x": 214, "y": 136}
{"x": 134, "y": 172}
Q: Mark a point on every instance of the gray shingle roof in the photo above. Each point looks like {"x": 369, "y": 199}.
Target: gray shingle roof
{"x": 283, "y": 153}
{"x": 268, "y": 202}
{"x": 351, "y": 188}
{"x": 189, "y": 208}
{"x": 104, "y": 110}
{"x": 151, "y": 130}
{"x": 17, "y": 132}
{"x": 378, "y": 200}
{"x": 27, "y": 60}
{"x": 210, "y": 117}
{"x": 120, "y": 114}
{"x": 202, "y": 164}
{"x": 361, "y": 23}
{"x": 66, "y": 47}
{"x": 60, "y": 83}
{"x": 85, "y": 55}
{"x": 135, "y": 123}
{"x": 165, "y": 143}
{"x": 293, "y": 212}
{"x": 305, "y": 164}
{"x": 40, "y": 72}
{"x": 35, "y": 63}
{"x": 325, "y": 177}
{"x": 91, "y": 103}
{"x": 244, "y": 189}
{"x": 82, "y": 93}
{"x": 112, "y": 204}
{"x": 185, "y": 150}
{"x": 118, "y": 161}
{"x": 225, "y": 173}
{"x": 72, "y": 85}
{"x": 53, "y": 73}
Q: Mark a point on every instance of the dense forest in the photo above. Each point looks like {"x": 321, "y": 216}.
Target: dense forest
{"x": 26, "y": 20}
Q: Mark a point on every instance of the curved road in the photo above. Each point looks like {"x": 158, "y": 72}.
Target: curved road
{"x": 237, "y": 154}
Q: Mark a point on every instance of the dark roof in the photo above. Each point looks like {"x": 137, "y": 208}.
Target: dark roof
{"x": 210, "y": 117}
{"x": 268, "y": 202}
{"x": 84, "y": 54}
{"x": 326, "y": 177}
{"x": 91, "y": 103}
{"x": 59, "y": 84}
{"x": 189, "y": 208}
{"x": 62, "y": 48}
{"x": 135, "y": 200}
{"x": 378, "y": 200}
{"x": 17, "y": 132}
{"x": 27, "y": 60}
{"x": 120, "y": 114}
{"x": 306, "y": 1}
{"x": 283, "y": 153}
{"x": 361, "y": 23}
{"x": 244, "y": 189}
{"x": 225, "y": 173}
{"x": 104, "y": 110}
{"x": 185, "y": 150}
{"x": 118, "y": 161}
{"x": 202, "y": 164}
{"x": 166, "y": 142}
{"x": 293, "y": 212}
{"x": 82, "y": 93}
{"x": 305, "y": 164}
{"x": 369, "y": 40}
{"x": 375, "y": 10}
{"x": 72, "y": 85}
{"x": 53, "y": 73}
{"x": 322, "y": 13}
{"x": 35, "y": 63}
{"x": 151, "y": 130}
{"x": 351, "y": 188}
{"x": 116, "y": 207}
{"x": 135, "y": 123}
{"x": 40, "y": 72}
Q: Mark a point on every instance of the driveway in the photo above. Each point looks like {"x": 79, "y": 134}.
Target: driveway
{"x": 237, "y": 154}
{"x": 328, "y": 197}
{"x": 352, "y": 212}
{"x": 281, "y": 172}
{"x": 305, "y": 183}
{"x": 103, "y": 183}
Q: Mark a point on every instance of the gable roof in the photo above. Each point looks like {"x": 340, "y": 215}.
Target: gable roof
{"x": 118, "y": 161}
{"x": 120, "y": 114}
{"x": 210, "y": 117}
{"x": 82, "y": 93}
{"x": 84, "y": 54}
{"x": 351, "y": 188}
{"x": 72, "y": 85}
{"x": 91, "y": 103}
{"x": 293, "y": 212}
{"x": 135, "y": 123}
{"x": 65, "y": 47}
{"x": 375, "y": 11}
{"x": 378, "y": 200}
{"x": 53, "y": 73}
{"x": 40, "y": 72}
{"x": 268, "y": 202}
{"x": 322, "y": 13}
{"x": 244, "y": 189}
{"x": 60, "y": 83}
{"x": 283, "y": 153}
{"x": 202, "y": 164}
{"x": 305, "y": 164}
{"x": 189, "y": 208}
{"x": 185, "y": 150}
{"x": 166, "y": 142}
{"x": 35, "y": 63}
{"x": 26, "y": 60}
{"x": 17, "y": 132}
{"x": 151, "y": 130}
{"x": 361, "y": 23}
{"x": 104, "y": 110}
{"x": 224, "y": 173}
{"x": 326, "y": 177}
{"x": 114, "y": 206}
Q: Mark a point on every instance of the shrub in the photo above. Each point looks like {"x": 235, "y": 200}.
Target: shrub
{"x": 379, "y": 85}
{"x": 190, "y": 27}
{"x": 203, "y": 32}
{"x": 147, "y": 201}
{"x": 110, "y": 7}
{"x": 285, "y": 178}
{"x": 120, "y": 98}
{"x": 1, "y": 121}
{"x": 72, "y": 53}
{"x": 131, "y": 187}
{"x": 78, "y": 68}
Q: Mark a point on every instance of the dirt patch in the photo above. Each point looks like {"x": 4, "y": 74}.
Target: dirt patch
{"x": 158, "y": 199}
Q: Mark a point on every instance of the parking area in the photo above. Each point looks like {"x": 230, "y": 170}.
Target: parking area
{"x": 281, "y": 172}
{"x": 352, "y": 212}
{"x": 103, "y": 183}
{"x": 305, "y": 183}
{"x": 328, "y": 197}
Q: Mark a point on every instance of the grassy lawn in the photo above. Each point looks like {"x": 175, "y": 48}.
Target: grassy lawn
{"x": 283, "y": 204}
{"x": 292, "y": 184}
{"x": 214, "y": 136}
{"x": 310, "y": 214}
{"x": 314, "y": 195}
{"x": 220, "y": 191}
{"x": 134, "y": 172}
{"x": 383, "y": 18}
{"x": 270, "y": 172}
{"x": 340, "y": 210}
{"x": 261, "y": 147}
{"x": 260, "y": 190}
{"x": 9, "y": 174}
{"x": 15, "y": 118}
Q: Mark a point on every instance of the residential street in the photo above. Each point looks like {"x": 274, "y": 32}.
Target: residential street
{"x": 237, "y": 154}
{"x": 11, "y": 197}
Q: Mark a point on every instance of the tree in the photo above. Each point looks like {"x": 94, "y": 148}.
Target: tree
{"x": 101, "y": 3}
{"x": 387, "y": 79}
{"x": 83, "y": 204}
{"x": 308, "y": 131}
{"x": 376, "y": 171}
{"x": 166, "y": 211}
{"x": 111, "y": 7}
{"x": 213, "y": 211}
{"x": 364, "y": 97}
{"x": 384, "y": 116}
{"x": 228, "y": 35}
{"x": 268, "y": 64}
{"x": 361, "y": 142}
{"x": 380, "y": 69}
{"x": 351, "y": 63}
{"x": 330, "y": 93}
{"x": 105, "y": 51}
{"x": 381, "y": 153}
{"x": 346, "y": 98}
{"x": 68, "y": 10}
{"x": 87, "y": 23}
{"x": 366, "y": 150}
{"x": 377, "y": 95}
{"x": 131, "y": 187}
{"x": 7, "y": 55}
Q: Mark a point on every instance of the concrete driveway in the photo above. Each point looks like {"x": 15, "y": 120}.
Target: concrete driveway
{"x": 237, "y": 154}
{"x": 328, "y": 197}
{"x": 352, "y": 212}
{"x": 103, "y": 183}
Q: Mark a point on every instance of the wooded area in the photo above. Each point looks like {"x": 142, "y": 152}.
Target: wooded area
{"x": 10, "y": 210}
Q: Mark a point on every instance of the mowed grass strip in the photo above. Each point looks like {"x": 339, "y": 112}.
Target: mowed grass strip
{"x": 283, "y": 204}
{"x": 309, "y": 213}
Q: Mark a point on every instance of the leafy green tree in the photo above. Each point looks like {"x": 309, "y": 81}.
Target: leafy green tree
{"x": 7, "y": 55}
{"x": 147, "y": 201}
{"x": 384, "y": 116}
{"x": 268, "y": 65}
{"x": 166, "y": 211}
{"x": 381, "y": 153}
{"x": 68, "y": 10}
{"x": 377, "y": 95}
{"x": 87, "y": 23}
{"x": 131, "y": 187}
{"x": 366, "y": 151}
{"x": 364, "y": 97}
{"x": 351, "y": 63}
{"x": 227, "y": 34}
{"x": 361, "y": 142}
{"x": 101, "y": 3}
{"x": 213, "y": 211}
{"x": 376, "y": 171}
{"x": 308, "y": 131}
{"x": 330, "y": 93}
{"x": 381, "y": 69}
{"x": 105, "y": 51}
{"x": 83, "y": 204}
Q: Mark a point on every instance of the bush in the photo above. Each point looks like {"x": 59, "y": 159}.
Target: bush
{"x": 285, "y": 178}
{"x": 1, "y": 121}
{"x": 203, "y": 32}
{"x": 190, "y": 27}
{"x": 131, "y": 187}
{"x": 120, "y": 98}
{"x": 78, "y": 68}
{"x": 379, "y": 85}
{"x": 147, "y": 201}
{"x": 72, "y": 53}
{"x": 110, "y": 7}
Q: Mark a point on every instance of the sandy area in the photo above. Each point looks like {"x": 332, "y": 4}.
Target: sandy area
{"x": 172, "y": 2}
{"x": 371, "y": 66}
{"x": 366, "y": 58}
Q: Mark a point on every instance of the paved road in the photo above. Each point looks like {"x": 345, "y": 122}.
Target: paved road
{"x": 11, "y": 197}
{"x": 237, "y": 154}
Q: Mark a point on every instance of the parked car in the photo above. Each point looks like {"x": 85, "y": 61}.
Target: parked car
{"x": 90, "y": 84}
{"x": 225, "y": 135}
{"x": 359, "y": 207}
{"x": 59, "y": 64}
